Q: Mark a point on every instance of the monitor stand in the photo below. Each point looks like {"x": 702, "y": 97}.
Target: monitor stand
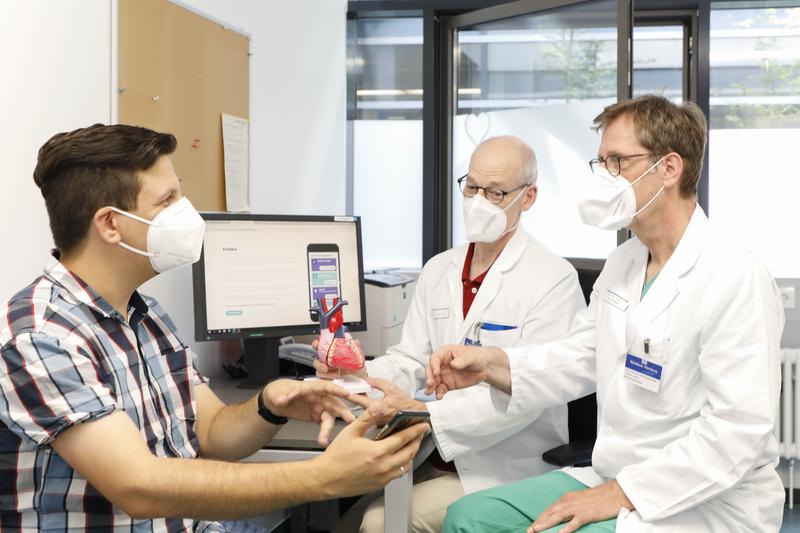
{"x": 262, "y": 362}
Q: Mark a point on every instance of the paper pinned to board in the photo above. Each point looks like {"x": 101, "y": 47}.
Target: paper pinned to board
{"x": 235, "y": 143}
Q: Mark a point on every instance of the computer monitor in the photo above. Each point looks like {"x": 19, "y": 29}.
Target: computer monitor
{"x": 259, "y": 275}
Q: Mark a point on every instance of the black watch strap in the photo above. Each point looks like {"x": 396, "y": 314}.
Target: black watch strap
{"x": 268, "y": 415}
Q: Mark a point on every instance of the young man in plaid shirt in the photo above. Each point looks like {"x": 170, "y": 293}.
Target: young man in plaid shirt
{"x": 105, "y": 422}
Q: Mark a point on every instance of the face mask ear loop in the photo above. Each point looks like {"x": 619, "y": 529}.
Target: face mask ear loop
{"x": 136, "y": 250}
{"x": 518, "y": 197}
{"x": 646, "y": 172}
{"x": 653, "y": 199}
{"x": 131, "y": 215}
{"x": 509, "y": 230}
{"x": 138, "y": 219}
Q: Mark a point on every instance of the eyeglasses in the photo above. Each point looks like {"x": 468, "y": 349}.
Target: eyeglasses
{"x": 493, "y": 194}
{"x": 612, "y": 162}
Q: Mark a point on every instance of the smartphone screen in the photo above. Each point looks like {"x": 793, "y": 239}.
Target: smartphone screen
{"x": 324, "y": 277}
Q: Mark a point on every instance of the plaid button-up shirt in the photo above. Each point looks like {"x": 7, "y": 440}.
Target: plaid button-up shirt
{"x": 69, "y": 357}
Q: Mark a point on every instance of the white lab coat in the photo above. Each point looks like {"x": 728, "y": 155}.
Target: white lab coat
{"x": 698, "y": 455}
{"x": 528, "y": 287}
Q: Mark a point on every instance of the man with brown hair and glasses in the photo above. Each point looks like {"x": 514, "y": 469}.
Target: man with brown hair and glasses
{"x": 105, "y": 423}
{"x": 680, "y": 341}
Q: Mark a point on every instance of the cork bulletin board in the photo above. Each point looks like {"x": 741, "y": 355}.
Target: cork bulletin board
{"x": 178, "y": 72}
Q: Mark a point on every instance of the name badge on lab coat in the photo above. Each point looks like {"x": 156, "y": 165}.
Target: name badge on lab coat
{"x": 616, "y": 300}
{"x": 643, "y": 373}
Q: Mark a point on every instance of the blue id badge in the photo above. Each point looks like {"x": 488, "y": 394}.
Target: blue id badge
{"x": 470, "y": 342}
{"x": 642, "y": 373}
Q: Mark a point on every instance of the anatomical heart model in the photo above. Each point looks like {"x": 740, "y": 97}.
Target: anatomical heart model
{"x": 337, "y": 348}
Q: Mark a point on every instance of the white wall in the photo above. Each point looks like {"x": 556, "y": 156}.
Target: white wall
{"x": 56, "y": 74}
{"x": 56, "y": 57}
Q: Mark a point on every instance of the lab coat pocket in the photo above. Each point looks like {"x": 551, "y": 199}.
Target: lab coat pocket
{"x": 670, "y": 400}
{"x": 657, "y": 350}
{"x": 504, "y": 338}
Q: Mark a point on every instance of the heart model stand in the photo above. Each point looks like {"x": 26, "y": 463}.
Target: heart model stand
{"x": 337, "y": 348}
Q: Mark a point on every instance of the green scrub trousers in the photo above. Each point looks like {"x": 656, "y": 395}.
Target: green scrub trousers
{"x": 514, "y": 507}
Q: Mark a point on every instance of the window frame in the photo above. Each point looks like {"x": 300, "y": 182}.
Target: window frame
{"x": 437, "y": 83}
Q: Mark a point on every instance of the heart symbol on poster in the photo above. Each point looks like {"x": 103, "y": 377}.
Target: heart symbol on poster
{"x": 477, "y": 127}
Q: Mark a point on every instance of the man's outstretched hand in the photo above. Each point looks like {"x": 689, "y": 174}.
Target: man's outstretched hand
{"x": 457, "y": 366}
{"x": 394, "y": 399}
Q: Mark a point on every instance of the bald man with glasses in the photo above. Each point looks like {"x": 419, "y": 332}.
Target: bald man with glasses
{"x": 501, "y": 289}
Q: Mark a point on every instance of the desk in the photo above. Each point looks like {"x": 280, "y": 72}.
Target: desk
{"x": 297, "y": 441}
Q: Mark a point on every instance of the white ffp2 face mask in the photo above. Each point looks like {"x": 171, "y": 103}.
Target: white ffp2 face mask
{"x": 484, "y": 221}
{"x": 610, "y": 201}
{"x": 174, "y": 238}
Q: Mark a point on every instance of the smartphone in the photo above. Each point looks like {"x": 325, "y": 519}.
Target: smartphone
{"x": 324, "y": 276}
{"x": 402, "y": 420}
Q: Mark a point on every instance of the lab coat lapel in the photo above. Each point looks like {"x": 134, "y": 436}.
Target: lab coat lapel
{"x": 631, "y": 287}
{"x": 667, "y": 286}
{"x": 491, "y": 284}
{"x": 456, "y": 292}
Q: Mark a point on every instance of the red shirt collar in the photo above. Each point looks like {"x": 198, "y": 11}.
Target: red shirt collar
{"x": 468, "y": 266}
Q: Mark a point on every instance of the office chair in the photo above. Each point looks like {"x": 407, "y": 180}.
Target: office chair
{"x": 581, "y": 413}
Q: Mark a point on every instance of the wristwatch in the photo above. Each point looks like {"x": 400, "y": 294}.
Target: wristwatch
{"x": 268, "y": 415}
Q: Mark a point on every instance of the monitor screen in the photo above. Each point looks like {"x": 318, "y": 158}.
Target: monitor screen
{"x": 259, "y": 274}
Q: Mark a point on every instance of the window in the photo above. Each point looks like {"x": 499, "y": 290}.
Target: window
{"x": 542, "y": 77}
{"x": 387, "y": 140}
{"x": 658, "y": 61}
{"x": 755, "y": 130}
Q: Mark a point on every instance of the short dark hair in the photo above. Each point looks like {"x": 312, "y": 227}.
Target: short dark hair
{"x": 81, "y": 171}
{"x": 661, "y": 127}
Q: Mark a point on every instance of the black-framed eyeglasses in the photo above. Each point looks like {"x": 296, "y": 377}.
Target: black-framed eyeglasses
{"x": 493, "y": 194}
{"x": 613, "y": 162}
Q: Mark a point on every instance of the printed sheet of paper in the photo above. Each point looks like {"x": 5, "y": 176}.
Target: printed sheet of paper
{"x": 235, "y": 143}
